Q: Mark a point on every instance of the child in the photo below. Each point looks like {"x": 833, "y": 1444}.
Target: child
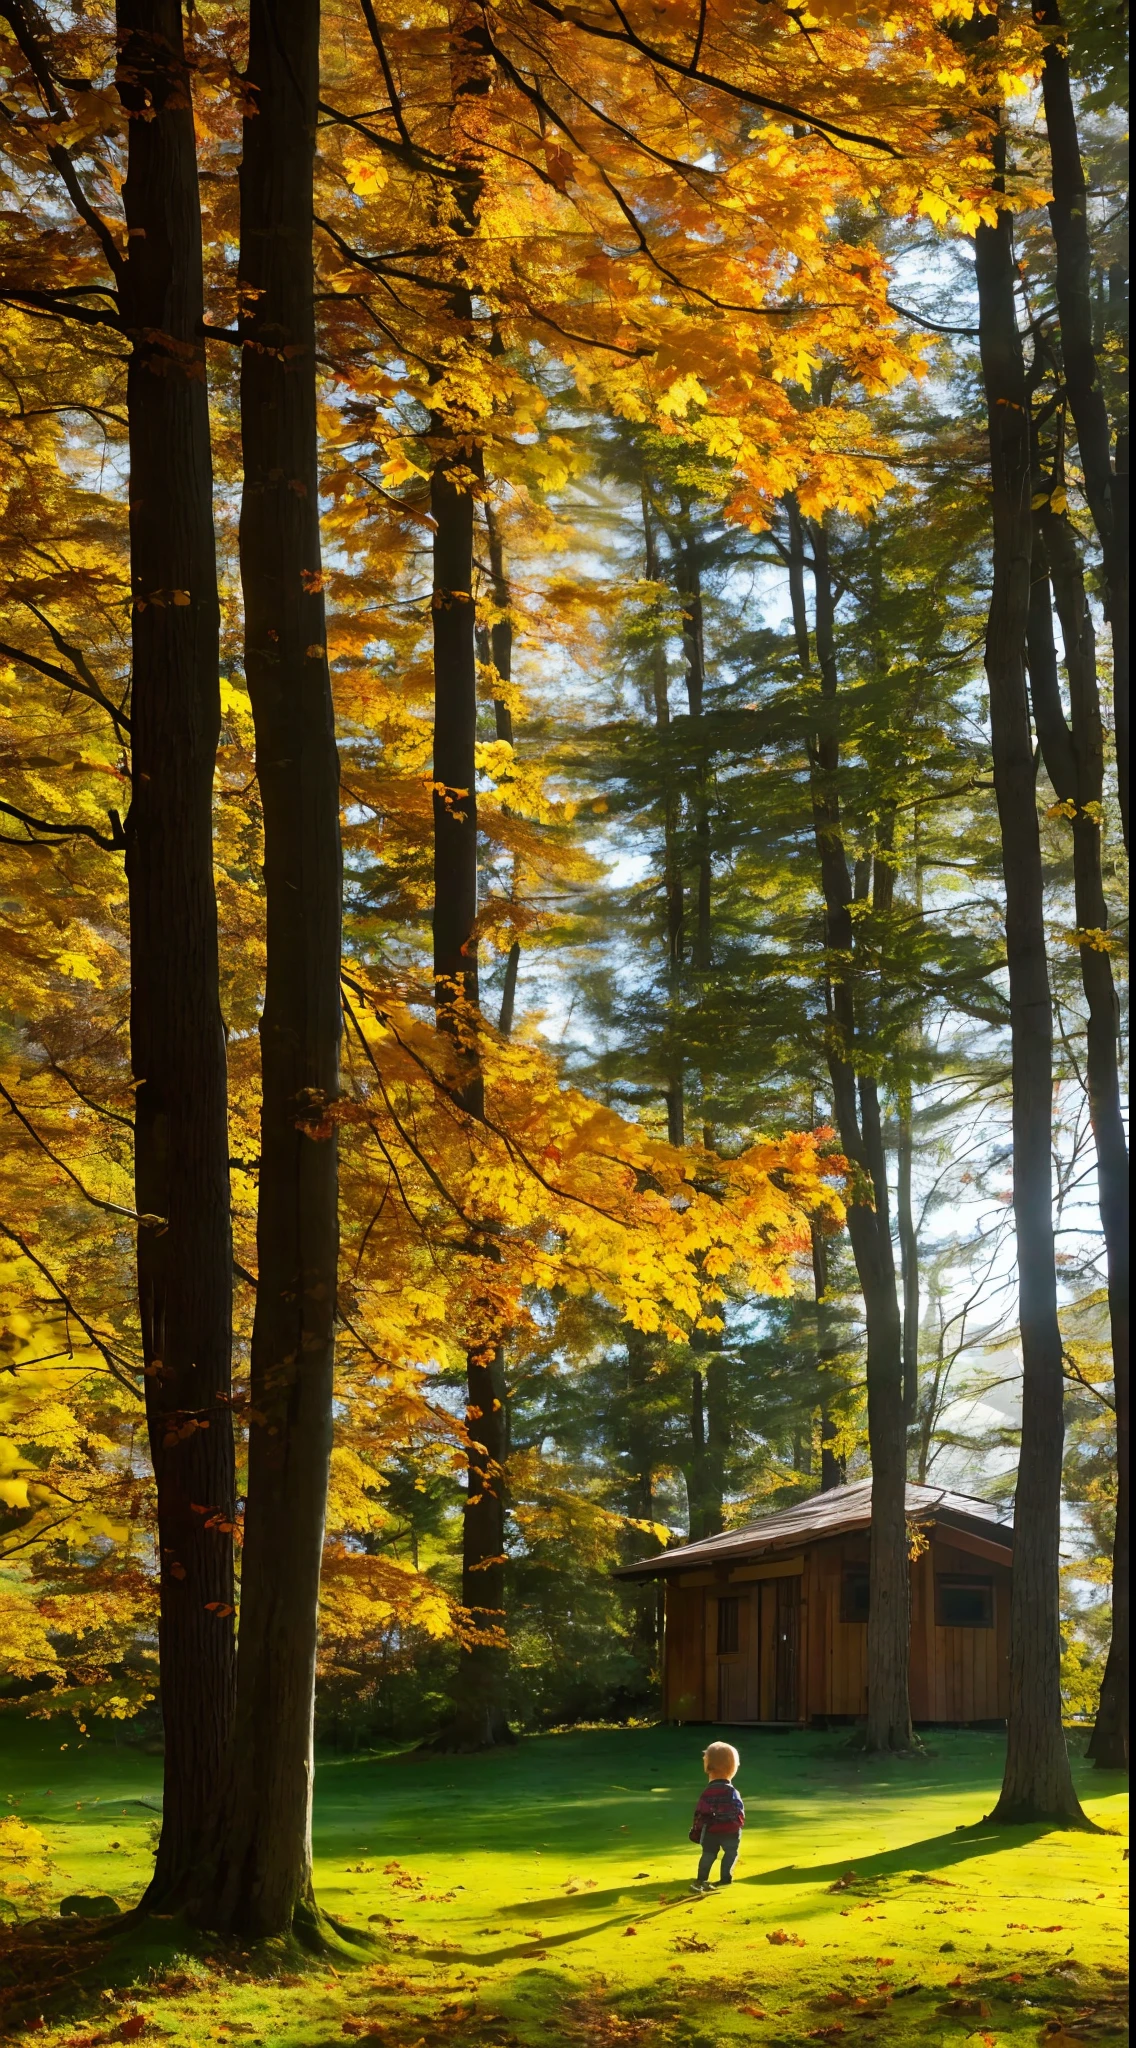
{"x": 719, "y": 1816}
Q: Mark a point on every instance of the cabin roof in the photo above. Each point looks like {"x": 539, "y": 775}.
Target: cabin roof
{"x": 840, "y": 1511}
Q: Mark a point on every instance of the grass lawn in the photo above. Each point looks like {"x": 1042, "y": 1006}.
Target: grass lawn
{"x": 539, "y": 1895}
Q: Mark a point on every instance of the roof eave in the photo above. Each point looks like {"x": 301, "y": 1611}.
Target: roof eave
{"x": 695, "y": 1557}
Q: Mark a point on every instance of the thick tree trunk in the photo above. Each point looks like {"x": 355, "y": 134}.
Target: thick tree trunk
{"x": 1106, "y": 487}
{"x": 176, "y": 1033}
{"x": 1074, "y": 760}
{"x": 1037, "y": 1783}
{"x": 856, "y": 1106}
{"x": 263, "y": 1881}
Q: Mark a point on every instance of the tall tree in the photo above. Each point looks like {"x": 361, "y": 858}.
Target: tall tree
{"x": 855, "y": 1096}
{"x": 176, "y": 1033}
{"x": 1037, "y": 1784}
{"x": 262, "y": 1882}
{"x": 1073, "y": 752}
{"x": 480, "y": 1714}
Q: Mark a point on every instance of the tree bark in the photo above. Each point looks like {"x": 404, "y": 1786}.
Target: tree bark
{"x": 263, "y": 1878}
{"x": 908, "y": 1254}
{"x": 856, "y": 1106}
{"x": 641, "y": 1494}
{"x": 694, "y": 646}
{"x": 832, "y": 1468}
{"x": 1073, "y": 753}
{"x": 176, "y": 1032}
{"x": 501, "y": 655}
{"x": 1106, "y": 486}
{"x": 672, "y": 869}
{"x": 479, "y": 1716}
{"x": 1037, "y": 1785}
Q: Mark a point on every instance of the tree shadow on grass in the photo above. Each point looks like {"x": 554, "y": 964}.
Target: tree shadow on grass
{"x": 936, "y": 1852}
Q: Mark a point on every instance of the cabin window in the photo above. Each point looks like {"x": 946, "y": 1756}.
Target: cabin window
{"x": 854, "y": 1594}
{"x": 963, "y": 1602}
{"x": 728, "y": 1627}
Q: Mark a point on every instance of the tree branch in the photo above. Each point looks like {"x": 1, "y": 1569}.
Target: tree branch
{"x": 115, "y": 844}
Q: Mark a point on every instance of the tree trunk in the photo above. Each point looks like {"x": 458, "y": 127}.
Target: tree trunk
{"x": 264, "y": 1877}
{"x": 1106, "y": 488}
{"x": 641, "y": 1494}
{"x": 176, "y": 1034}
{"x": 909, "y": 1255}
{"x": 1037, "y": 1785}
{"x": 1074, "y": 760}
{"x": 479, "y": 1716}
{"x": 694, "y": 645}
{"x": 832, "y": 1467}
{"x": 856, "y": 1106}
{"x": 501, "y": 654}
{"x": 672, "y": 870}
{"x": 697, "y": 1466}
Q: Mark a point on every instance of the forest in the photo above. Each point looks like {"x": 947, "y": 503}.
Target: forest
{"x": 564, "y": 661}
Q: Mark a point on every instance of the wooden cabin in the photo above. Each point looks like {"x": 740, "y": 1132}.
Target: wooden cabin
{"x": 769, "y": 1622}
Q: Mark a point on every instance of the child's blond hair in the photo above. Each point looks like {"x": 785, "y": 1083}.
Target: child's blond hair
{"x": 721, "y": 1760}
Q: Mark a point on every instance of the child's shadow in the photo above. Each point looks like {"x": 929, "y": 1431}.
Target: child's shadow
{"x": 534, "y": 1946}
{"x": 564, "y": 1903}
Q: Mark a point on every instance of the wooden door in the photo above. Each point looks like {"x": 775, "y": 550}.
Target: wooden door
{"x": 788, "y": 1648}
{"x": 777, "y": 1664}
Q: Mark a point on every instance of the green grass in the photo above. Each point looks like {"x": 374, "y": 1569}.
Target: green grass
{"x": 539, "y": 1896}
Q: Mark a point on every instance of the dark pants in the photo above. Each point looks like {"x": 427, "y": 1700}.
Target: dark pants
{"x": 711, "y": 1843}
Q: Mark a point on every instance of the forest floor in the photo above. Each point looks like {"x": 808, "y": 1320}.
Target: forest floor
{"x": 539, "y": 1895}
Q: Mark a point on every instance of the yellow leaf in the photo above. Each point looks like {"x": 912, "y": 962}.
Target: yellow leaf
{"x": 364, "y": 178}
